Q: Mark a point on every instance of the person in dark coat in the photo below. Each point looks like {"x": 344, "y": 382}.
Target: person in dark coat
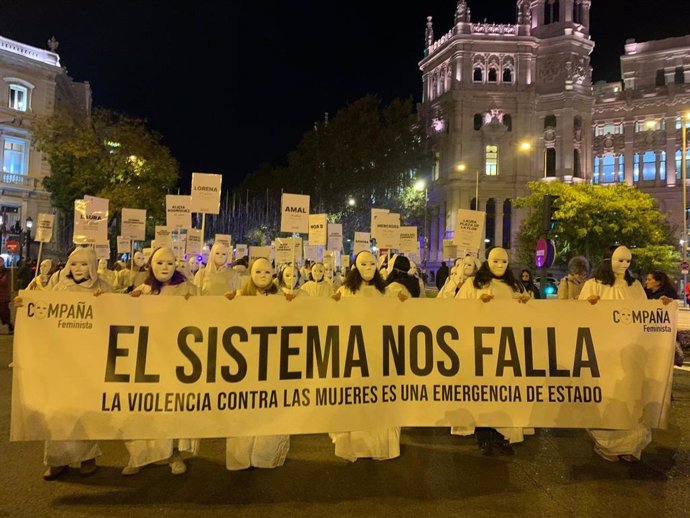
{"x": 442, "y": 275}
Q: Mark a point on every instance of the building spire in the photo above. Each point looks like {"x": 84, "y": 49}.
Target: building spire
{"x": 524, "y": 15}
{"x": 53, "y": 44}
{"x": 463, "y": 13}
{"x": 429, "y": 33}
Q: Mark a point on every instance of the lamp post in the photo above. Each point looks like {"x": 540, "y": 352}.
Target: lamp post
{"x": 421, "y": 185}
{"x": 684, "y": 118}
{"x": 461, "y": 168}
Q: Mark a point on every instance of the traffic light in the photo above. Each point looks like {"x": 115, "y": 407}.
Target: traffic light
{"x": 549, "y": 210}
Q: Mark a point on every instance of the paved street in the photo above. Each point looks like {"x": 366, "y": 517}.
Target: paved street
{"x": 554, "y": 473}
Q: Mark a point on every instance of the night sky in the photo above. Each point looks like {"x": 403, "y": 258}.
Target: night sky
{"x": 233, "y": 84}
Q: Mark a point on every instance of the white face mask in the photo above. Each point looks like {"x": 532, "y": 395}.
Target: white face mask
{"x": 366, "y": 265}
{"x": 139, "y": 259}
{"x": 163, "y": 265}
{"x": 289, "y": 277}
{"x": 79, "y": 270}
{"x": 220, "y": 256}
{"x": 620, "y": 260}
{"x": 456, "y": 274}
{"x": 317, "y": 272}
{"x": 468, "y": 267}
{"x": 102, "y": 265}
{"x": 498, "y": 262}
{"x": 45, "y": 267}
{"x": 262, "y": 273}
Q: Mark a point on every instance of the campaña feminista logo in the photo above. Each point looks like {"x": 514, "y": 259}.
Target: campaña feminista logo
{"x": 68, "y": 316}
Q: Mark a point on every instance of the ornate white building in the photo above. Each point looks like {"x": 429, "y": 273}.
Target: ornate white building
{"x": 507, "y": 104}
{"x": 32, "y": 84}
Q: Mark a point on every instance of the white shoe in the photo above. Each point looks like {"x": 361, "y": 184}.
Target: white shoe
{"x": 128, "y": 471}
{"x": 178, "y": 467}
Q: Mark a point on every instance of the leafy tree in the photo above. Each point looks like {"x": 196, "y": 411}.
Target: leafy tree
{"x": 590, "y": 218}
{"x": 108, "y": 155}
{"x": 367, "y": 152}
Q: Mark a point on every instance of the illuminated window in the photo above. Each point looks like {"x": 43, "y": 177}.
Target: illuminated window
{"x": 597, "y": 161}
{"x": 662, "y": 165}
{"x": 19, "y": 97}
{"x": 621, "y": 168}
{"x": 679, "y": 162}
{"x": 491, "y": 160}
{"x": 649, "y": 166}
{"x": 14, "y": 156}
{"x": 636, "y": 167}
{"x": 608, "y": 169}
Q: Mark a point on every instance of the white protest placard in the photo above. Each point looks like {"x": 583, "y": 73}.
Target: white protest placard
{"x": 163, "y": 236}
{"x": 335, "y": 236}
{"x": 178, "y": 248}
{"x": 224, "y": 239}
{"x": 374, "y": 214}
{"x": 124, "y": 245}
{"x": 550, "y": 365}
{"x": 133, "y": 224}
{"x": 344, "y": 261}
{"x": 102, "y": 250}
{"x": 469, "y": 231}
{"x": 241, "y": 251}
{"x": 178, "y": 211}
{"x": 288, "y": 249}
{"x": 294, "y": 213}
{"x": 318, "y": 229}
{"x": 206, "y": 193}
{"x": 450, "y": 251}
{"x": 90, "y": 220}
{"x": 362, "y": 242}
{"x": 329, "y": 258}
{"x": 313, "y": 253}
{"x": 408, "y": 240}
{"x": 44, "y": 228}
{"x": 260, "y": 251}
{"x": 386, "y": 230}
{"x": 193, "y": 241}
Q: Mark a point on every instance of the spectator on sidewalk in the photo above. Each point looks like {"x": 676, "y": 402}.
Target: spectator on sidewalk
{"x": 442, "y": 275}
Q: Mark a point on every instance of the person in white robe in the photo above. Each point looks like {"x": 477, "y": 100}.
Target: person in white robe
{"x": 163, "y": 279}
{"x": 79, "y": 275}
{"x": 494, "y": 280}
{"x": 268, "y": 451}
{"x": 612, "y": 281}
{"x": 376, "y": 443}
{"x": 317, "y": 285}
{"x": 217, "y": 278}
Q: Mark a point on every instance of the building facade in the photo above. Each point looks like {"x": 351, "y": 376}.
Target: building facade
{"x": 32, "y": 84}
{"x": 505, "y": 104}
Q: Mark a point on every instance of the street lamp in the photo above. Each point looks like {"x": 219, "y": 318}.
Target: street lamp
{"x": 420, "y": 185}
{"x": 351, "y": 202}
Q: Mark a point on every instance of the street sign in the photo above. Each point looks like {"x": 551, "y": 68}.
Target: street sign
{"x": 12, "y": 246}
{"x": 684, "y": 266}
{"x": 545, "y": 253}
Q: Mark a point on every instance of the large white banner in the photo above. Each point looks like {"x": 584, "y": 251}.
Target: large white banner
{"x": 294, "y": 213}
{"x": 206, "y": 192}
{"x": 90, "y": 220}
{"x": 469, "y": 231}
{"x": 178, "y": 211}
{"x": 133, "y": 225}
{"x": 44, "y": 228}
{"x": 212, "y": 367}
{"x": 318, "y": 229}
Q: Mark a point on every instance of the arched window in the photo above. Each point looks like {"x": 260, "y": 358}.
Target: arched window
{"x": 478, "y": 75}
{"x": 490, "y": 223}
{"x": 507, "y": 224}
{"x": 550, "y": 162}
{"x": 549, "y": 121}
{"x": 507, "y": 75}
{"x": 478, "y": 121}
{"x": 493, "y": 75}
